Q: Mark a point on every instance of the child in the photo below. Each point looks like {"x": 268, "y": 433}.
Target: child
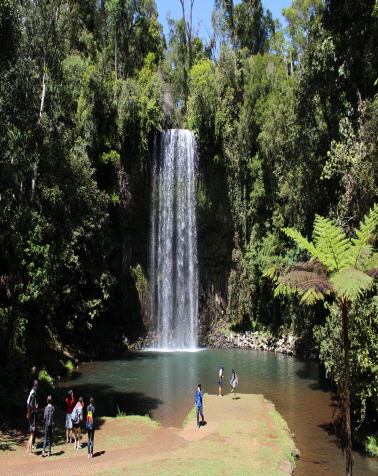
{"x": 199, "y": 405}
{"x": 49, "y": 423}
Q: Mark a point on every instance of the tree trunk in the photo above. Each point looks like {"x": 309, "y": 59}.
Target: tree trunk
{"x": 116, "y": 52}
{"x": 346, "y": 400}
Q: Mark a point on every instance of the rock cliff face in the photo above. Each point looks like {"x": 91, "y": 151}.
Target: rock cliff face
{"x": 215, "y": 242}
{"x": 215, "y": 235}
{"x": 219, "y": 336}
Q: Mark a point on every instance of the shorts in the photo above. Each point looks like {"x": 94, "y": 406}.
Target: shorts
{"x": 68, "y": 421}
{"x": 31, "y": 423}
{"x": 76, "y": 425}
{"x": 220, "y": 381}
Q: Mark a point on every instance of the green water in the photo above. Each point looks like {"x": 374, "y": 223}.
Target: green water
{"x": 163, "y": 385}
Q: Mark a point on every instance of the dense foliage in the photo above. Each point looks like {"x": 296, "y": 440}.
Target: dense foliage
{"x": 287, "y": 125}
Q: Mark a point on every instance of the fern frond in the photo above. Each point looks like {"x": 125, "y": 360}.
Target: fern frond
{"x": 301, "y": 241}
{"x": 366, "y": 259}
{"x": 373, "y": 273}
{"x": 367, "y": 227}
{"x": 332, "y": 244}
{"x": 296, "y": 278}
{"x": 273, "y": 273}
{"x": 320, "y": 286}
{"x": 304, "y": 282}
{"x": 283, "y": 290}
{"x": 314, "y": 265}
{"x": 351, "y": 283}
{"x": 311, "y": 296}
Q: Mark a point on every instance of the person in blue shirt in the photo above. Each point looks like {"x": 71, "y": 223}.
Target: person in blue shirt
{"x": 199, "y": 411}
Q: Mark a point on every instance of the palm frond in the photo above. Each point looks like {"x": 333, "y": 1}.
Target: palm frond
{"x": 367, "y": 227}
{"x": 351, "y": 283}
{"x": 333, "y": 245}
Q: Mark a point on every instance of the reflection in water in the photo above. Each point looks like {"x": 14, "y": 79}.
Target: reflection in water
{"x": 164, "y": 385}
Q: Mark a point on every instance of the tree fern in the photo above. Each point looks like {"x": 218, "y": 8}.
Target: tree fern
{"x": 340, "y": 266}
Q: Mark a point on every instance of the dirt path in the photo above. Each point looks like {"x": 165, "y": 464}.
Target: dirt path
{"x": 243, "y": 436}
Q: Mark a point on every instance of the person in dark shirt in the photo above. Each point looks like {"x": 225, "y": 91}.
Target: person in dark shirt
{"x": 199, "y": 410}
{"x": 90, "y": 426}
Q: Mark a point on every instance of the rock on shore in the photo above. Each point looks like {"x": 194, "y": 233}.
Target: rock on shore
{"x": 221, "y": 337}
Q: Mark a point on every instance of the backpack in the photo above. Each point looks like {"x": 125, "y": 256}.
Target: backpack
{"x": 75, "y": 414}
{"x": 89, "y": 419}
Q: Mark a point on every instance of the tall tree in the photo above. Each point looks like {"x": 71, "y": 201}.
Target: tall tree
{"x": 254, "y": 26}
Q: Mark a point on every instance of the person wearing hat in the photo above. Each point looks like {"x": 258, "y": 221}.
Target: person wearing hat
{"x": 32, "y": 408}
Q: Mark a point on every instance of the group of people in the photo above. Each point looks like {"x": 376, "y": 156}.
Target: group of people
{"x": 233, "y": 382}
{"x": 74, "y": 417}
{"x": 199, "y": 394}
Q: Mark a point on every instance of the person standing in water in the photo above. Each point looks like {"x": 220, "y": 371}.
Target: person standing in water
{"x": 199, "y": 410}
{"x": 220, "y": 378}
{"x": 234, "y": 381}
{"x": 90, "y": 426}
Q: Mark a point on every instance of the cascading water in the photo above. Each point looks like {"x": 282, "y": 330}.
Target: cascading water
{"x": 174, "y": 266}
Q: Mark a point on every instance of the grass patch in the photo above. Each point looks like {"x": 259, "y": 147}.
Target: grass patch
{"x": 111, "y": 471}
{"x": 193, "y": 467}
{"x": 191, "y": 416}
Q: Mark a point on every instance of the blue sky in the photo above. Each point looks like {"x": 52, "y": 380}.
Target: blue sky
{"x": 202, "y": 10}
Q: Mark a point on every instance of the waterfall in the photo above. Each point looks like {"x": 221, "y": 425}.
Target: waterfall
{"x": 173, "y": 249}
